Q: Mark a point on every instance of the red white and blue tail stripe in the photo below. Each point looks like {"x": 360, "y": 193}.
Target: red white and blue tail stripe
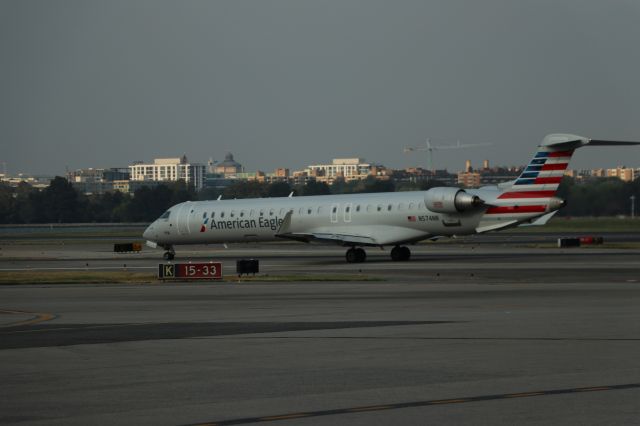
{"x": 537, "y": 185}
{"x": 533, "y": 193}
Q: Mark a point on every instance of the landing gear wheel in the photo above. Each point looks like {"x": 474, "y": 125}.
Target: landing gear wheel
{"x": 168, "y": 255}
{"x": 399, "y": 253}
{"x": 356, "y": 255}
{"x": 406, "y": 253}
{"x": 351, "y": 255}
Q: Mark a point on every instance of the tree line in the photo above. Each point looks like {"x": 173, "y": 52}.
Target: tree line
{"x": 61, "y": 203}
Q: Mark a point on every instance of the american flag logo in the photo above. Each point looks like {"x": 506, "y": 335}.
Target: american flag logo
{"x": 411, "y": 218}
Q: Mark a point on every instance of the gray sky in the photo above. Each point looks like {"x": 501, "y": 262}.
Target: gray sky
{"x": 289, "y": 83}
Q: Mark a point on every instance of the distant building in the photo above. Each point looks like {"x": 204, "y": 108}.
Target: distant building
{"x": 169, "y": 169}
{"x": 622, "y": 173}
{"x": 38, "y": 182}
{"x": 130, "y": 186}
{"x": 96, "y": 181}
{"x": 228, "y": 167}
{"x": 469, "y": 179}
{"x": 345, "y": 168}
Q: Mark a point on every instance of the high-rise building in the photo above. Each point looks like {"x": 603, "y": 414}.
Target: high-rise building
{"x": 169, "y": 169}
{"x": 345, "y": 168}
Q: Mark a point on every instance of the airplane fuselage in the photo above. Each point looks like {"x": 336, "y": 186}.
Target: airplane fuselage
{"x": 403, "y": 215}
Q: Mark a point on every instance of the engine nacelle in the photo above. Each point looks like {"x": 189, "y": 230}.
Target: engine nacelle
{"x": 450, "y": 200}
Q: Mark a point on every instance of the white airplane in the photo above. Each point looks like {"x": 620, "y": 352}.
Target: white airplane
{"x": 378, "y": 219}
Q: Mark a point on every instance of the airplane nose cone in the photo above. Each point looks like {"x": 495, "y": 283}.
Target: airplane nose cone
{"x": 147, "y": 232}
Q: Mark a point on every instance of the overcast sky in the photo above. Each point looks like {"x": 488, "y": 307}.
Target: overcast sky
{"x": 290, "y": 83}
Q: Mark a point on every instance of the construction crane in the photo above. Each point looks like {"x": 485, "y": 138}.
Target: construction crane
{"x": 429, "y": 148}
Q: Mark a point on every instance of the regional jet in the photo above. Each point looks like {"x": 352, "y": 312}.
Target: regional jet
{"x": 394, "y": 219}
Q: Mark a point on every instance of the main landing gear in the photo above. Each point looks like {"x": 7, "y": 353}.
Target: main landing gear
{"x": 356, "y": 255}
{"x": 400, "y": 253}
{"x": 169, "y": 254}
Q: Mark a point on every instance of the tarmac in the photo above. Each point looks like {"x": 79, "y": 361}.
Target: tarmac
{"x": 486, "y": 331}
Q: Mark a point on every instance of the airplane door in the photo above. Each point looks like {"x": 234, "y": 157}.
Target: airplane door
{"x": 182, "y": 220}
{"x": 347, "y": 212}
{"x": 334, "y": 212}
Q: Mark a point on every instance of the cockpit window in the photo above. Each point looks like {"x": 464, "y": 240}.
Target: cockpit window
{"x": 165, "y": 215}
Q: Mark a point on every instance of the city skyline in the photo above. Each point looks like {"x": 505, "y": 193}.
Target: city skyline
{"x": 475, "y": 165}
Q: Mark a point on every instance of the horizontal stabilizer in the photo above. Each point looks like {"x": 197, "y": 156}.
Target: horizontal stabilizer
{"x": 542, "y": 220}
{"x": 569, "y": 141}
{"x": 597, "y": 142}
{"x": 495, "y": 226}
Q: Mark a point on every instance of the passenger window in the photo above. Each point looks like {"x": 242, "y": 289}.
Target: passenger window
{"x": 309, "y": 211}
{"x": 320, "y": 210}
{"x": 252, "y": 213}
{"x": 261, "y": 213}
{"x": 204, "y": 215}
{"x": 300, "y": 211}
{"x": 358, "y": 208}
{"x": 335, "y": 209}
{"x": 241, "y": 213}
{"x": 271, "y": 212}
{"x": 213, "y": 214}
{"x": 389, "y": 207}
{"x": 379, "y": 207}
{"x": 222, "y": 214}
{"x": 233, "y": 213}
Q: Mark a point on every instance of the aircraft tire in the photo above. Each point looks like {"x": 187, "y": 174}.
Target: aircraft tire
{"x": 361, "y": 255}
{"x": 400, "y": 253}
{"x": 351, "y": 255}
{"x": 406, "y": 253}
{"x": 396, "y": 254}
{"x": 168, "y": 255}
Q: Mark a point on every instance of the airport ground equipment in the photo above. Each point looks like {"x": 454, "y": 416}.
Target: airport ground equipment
{"x": 247, "y": 266}
{"x": 127, "y": 247}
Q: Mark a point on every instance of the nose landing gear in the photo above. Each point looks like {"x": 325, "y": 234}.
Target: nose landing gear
{"x": 169, "y": 254}
{"x": 400, "y": 253}
{"x": 356, "y": 255}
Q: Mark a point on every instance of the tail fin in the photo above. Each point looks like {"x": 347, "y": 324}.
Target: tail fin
{"x": 533, "y": 193}
{"x": 541, "y": 177}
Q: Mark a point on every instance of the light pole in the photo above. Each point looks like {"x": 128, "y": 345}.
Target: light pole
{"x": 633, "y": 206}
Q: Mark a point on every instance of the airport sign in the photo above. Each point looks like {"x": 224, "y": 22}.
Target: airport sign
{"x": 198, "y": 271}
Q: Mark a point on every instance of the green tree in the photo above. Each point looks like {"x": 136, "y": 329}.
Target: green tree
{"x": 60, "y": 203}
{"x": 278, "y": 189}
{"x": 245, "y": 189}
{"x": 7, "y": 202}
{"x": 315, "y": 188}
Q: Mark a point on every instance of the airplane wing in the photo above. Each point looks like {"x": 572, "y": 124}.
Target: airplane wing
{"x": 492, "y": 226}
{"x": 338, "y": 238}
{"x": 364, "y": 235}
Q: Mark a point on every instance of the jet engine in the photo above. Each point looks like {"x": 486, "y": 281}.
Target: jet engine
{"x": 450, "y": 200}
